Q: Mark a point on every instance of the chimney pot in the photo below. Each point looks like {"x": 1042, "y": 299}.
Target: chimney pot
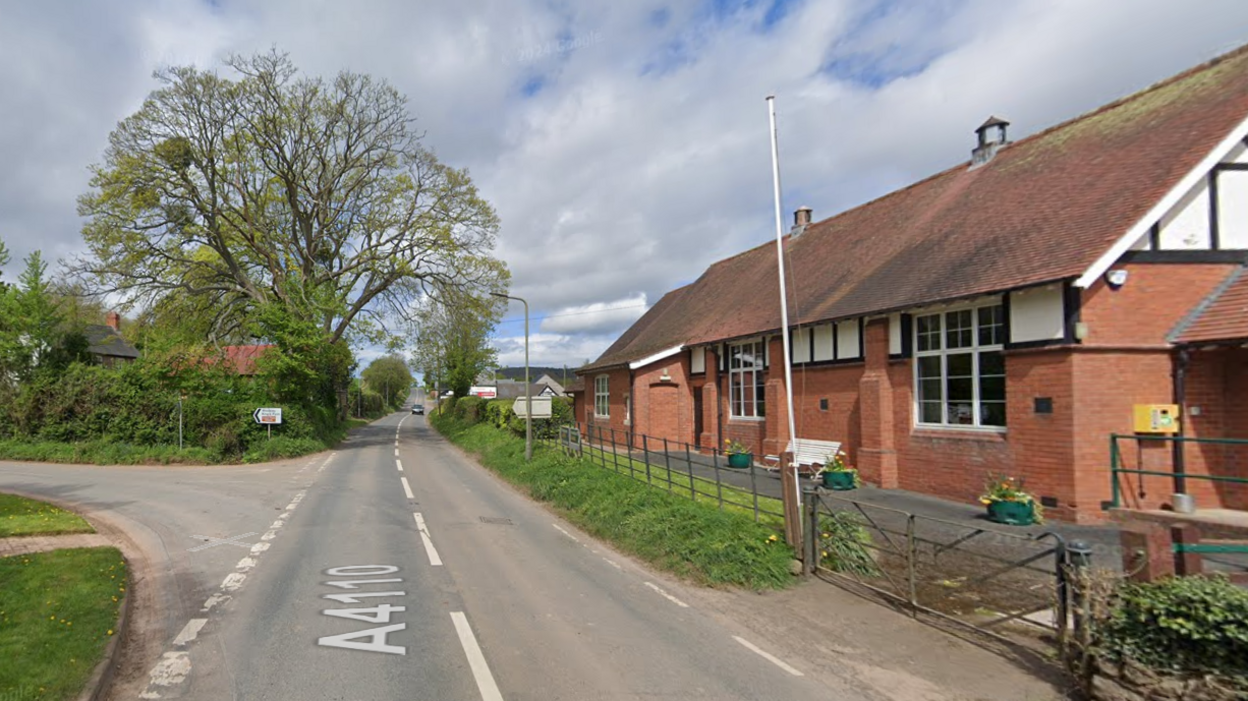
{"x": 113, "y": 319}
{"x": 986, "y": 149}
{"x": 802, "y": 216}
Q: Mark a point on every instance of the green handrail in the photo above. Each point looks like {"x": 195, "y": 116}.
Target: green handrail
{"x": 1115, "y": 457}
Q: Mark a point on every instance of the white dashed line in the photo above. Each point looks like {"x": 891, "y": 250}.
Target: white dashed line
{"x": 767, "y": 656}
{"x": 613, "y": 563}
{"x": 233, "y": 581}
{"x": 565, "y": 532}
{"x": 476, "y": 660}
{"x": 189, "y": 631}
{"x": 399, "y": 464}
{"x": 407, "y": 488}
{"x": 432, "y": 552}
{"x": 667, "y": 596}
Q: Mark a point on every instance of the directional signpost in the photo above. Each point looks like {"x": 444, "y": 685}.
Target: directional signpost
{"x": 268, "y": 417}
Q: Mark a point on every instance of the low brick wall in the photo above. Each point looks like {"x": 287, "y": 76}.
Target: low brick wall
{"x": 1134, "y": 682}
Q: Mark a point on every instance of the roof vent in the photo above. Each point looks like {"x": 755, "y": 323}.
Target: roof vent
{"x": 989, "y": 144}
{"x": 801, "y": 220}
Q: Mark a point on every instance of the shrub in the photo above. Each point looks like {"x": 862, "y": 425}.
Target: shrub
{"x": 1189, "y": 624}
{"x": 843, "y": 545}
{"x": 282, "y": 447}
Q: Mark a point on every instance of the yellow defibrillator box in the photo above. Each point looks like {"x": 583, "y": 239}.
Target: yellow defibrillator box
{"x": 1156, "y": 418}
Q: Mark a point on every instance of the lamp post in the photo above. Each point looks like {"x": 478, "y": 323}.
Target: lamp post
{"x": 528, "y": 392}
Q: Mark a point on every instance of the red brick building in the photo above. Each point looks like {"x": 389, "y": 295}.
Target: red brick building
{"x": 1001, "y": 317}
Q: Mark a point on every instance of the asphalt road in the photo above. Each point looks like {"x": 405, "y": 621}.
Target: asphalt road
{"x": 394, "y": 568}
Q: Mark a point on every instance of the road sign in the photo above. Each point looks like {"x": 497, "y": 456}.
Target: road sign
{"x": 541, "y": 407}
{"x": 268, "y": 416}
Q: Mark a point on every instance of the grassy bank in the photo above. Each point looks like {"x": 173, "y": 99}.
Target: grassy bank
{"x": 109, "y": 453}
{"x": 58, "y": 611}
{"x": 691, "y": 539}
{"x": 24, "y": 517}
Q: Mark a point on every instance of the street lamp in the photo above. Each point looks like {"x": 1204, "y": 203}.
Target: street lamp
{"x": 528, "y": 392}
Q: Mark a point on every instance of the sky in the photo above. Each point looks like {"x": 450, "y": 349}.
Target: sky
{"x": 624, "y": 145}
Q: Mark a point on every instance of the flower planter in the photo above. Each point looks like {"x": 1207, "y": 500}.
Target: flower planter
{"x": 741, "y": 460}
{"x": 1012, "y": 513}
{"x": 839, "y": 481}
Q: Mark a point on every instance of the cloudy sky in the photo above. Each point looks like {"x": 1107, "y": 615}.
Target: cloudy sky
{"x": 624, "y": 144}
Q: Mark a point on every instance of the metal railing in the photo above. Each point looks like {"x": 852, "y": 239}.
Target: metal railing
{"x": 991, "y": 580}
{"x": 680, "y": 468}
{"x": 1154, "y": 457}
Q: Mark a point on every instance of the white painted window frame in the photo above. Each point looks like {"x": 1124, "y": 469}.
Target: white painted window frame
{"x": 756, "y": 373}
{"x": 975, "y": 349}
{"x": 602, "y": 396}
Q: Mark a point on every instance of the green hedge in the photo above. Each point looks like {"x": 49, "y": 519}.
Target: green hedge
{"x": 1187, "y": 624}
{"x": 691, "y": 539}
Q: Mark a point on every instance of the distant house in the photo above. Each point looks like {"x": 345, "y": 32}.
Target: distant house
{"x": 550, "y": 388}
{"x": 243, "y": 358}
{"x": 106, "y": 343}
{"x": 1002, "y": 317}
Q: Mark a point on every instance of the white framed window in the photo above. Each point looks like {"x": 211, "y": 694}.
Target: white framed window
{"x": 959, "y": 367}
{"x": 747, "y": 379}
{"x": 602, "y": 396}
{"x": 628, "y": 409}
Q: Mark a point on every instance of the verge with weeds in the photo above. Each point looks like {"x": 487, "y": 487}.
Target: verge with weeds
{"x": 20, "y": 516}
{"x": 691, "y": 539}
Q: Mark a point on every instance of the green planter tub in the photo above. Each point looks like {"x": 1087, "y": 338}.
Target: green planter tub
{"x": 741, "y": 460}
{"x": 839, "y": 481}
{"x": 1012, "y": 513}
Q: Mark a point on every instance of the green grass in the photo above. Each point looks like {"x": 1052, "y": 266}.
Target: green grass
{"x": 21, "y": 516}
{"x": 58, "y": 610}
{"x": 281, "y": 447}
{"x": 107, "y": 453}
{"x": 689, "y": 538}
{"x": 735, "y": 498}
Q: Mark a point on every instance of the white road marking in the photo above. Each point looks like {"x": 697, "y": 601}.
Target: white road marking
{"x": 476, "y": 660}
{"x": 233, "y": 581}
{"x": 407, "y": 488}
{"x": 355, "y": 570}
{"x": 428, "y": 541}
{"x": 613, "y": 563}
{"x": 565, "y": 532}
{"x": 767, "y": 656}
{"x": 354, "y": 598}
{"x": 276, "y": 524}
{"x": 269, "y": 535}
{"x": 170, "y": 671}
{"x": 376, "y": 640}
{"x": 245, "y": 564}
{"x": 351, "y": 583}
{"x": 667, "y": 596}
{"x": 396, "y": 451}
{"x": 259, "y": 548}
{"x": 399, "y": 464}
{"x": 215, "y": 600}
{"x": 211, "y": 542}
{"x": 189, "y": 631}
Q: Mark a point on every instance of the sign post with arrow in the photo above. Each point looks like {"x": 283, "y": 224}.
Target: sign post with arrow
{"x": 268, "y": 417}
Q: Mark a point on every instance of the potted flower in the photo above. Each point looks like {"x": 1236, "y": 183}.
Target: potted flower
{"x": 837, "y": 475}
{"x": 738, "y": 454}
{"x": 1009, "y": 503}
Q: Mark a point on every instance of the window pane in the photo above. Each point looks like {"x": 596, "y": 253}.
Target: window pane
{"x": 959, "y": 389}
{"x": 929, "y": 367}
{"x": 961, "y": 413}
{"x": 959, "y": 364}
{"x": 992, "y": 388}
{"x": 958, "y": 329}
{"x": 760, "y": 394}
{"x": 992, "y": 413}
{"x": 991, "y": 328}
{"x": 929, "y": 332}
{"x": 929, "y": 390}
{"x": 992, "y": 363}
{"x": 929, "y": 412}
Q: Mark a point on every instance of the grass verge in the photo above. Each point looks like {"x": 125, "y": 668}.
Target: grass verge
{"x": 689, "y": 538}
{"x": 20, "y": 516}
{"x": 58, "y": 610}
{"x": 699, "y": 488}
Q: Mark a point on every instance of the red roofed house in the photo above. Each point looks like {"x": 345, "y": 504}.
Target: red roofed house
{"x": 243, "y": 358}
{"x": 1004, "y": 316}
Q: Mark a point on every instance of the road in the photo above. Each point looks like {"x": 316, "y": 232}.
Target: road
{"x": 394, "y": 567}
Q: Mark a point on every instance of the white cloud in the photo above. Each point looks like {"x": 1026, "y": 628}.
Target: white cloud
{"x": 599, "y": 317}
{"x": 623, "y": 153}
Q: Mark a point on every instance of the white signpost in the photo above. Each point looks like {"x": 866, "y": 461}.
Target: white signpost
{"x": 268, "y": 417}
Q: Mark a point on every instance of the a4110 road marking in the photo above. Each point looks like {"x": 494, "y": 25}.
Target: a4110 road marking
{"x": 370, "y": 639}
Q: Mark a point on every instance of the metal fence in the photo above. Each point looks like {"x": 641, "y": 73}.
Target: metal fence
{"x": 1001, "y": 583}
{"x": 680, "y": 468}
{"x": 1144, "y": 468}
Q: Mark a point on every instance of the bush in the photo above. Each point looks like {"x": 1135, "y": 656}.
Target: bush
{"x": 282, "y": 447}
{"x": 843, "y": 545}
{"x": 1189, "y": 624}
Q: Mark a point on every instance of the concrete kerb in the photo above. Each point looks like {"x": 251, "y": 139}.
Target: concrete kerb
{"x": 102, "y": 676}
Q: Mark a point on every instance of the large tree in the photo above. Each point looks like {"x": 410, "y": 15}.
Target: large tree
{"x": 390, "y": 377}
{"x": 453, "y": 339}
{"x": 267, "y": 187}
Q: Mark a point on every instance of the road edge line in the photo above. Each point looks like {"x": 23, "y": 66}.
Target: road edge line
{"x": 476, "y": 659}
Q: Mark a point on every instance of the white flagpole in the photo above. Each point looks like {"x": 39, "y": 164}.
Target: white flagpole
{"x": 784, "y": 304}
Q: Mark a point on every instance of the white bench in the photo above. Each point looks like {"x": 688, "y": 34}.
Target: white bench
{"x": 806, "y": 452}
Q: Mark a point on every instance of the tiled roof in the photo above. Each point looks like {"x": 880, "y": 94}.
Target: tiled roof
{"x": 1044, "y": 209}
{"x": 243, "y": 358}
{"x": 105, "y": 341}
{"x": 1224, "y": 317}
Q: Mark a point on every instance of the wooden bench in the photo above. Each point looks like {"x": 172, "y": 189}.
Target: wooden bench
{"x": 806, "y": 452}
